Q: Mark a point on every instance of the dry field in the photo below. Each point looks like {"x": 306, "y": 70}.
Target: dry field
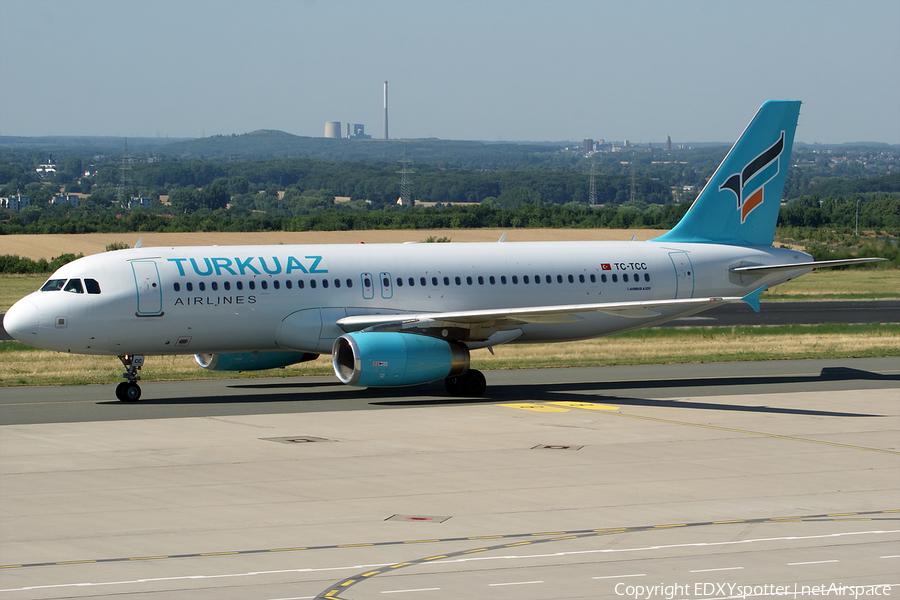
{"x": 49, "y": 245}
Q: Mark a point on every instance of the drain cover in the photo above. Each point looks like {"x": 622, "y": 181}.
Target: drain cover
{"x": 296, "y": 439}
{"x": 550, "y": 447}
{"x": 418, "y": 518}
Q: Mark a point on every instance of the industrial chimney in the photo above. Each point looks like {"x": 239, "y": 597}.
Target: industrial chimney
{"x": 385, "y": 112}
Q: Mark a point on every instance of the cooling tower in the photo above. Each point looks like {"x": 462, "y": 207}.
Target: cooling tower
{"x": 332, "y": 129}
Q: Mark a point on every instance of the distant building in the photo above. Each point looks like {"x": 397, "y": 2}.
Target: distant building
{"x": 136, "y": 201}
{"x": 588, "y": 145}
{"x": 17, "y": 202}
{"x": 359, "y": 132}
{"x": 332, "y": 129}
{"x": 65, "y": 199}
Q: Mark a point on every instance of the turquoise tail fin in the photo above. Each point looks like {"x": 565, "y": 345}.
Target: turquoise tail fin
{"x": 739, "y": 205}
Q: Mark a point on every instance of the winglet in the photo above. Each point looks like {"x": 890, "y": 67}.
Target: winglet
{"x": 139, "y": 242}
{"x": 502, "y": 237}
{"x": 753, "y": 298}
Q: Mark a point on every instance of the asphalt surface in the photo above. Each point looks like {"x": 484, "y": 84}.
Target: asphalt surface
{"x": 776, "y": 313}
{"x": 709, "y": 481}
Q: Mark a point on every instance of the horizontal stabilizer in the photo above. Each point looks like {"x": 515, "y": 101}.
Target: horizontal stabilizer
{"x": 818, "y": 264}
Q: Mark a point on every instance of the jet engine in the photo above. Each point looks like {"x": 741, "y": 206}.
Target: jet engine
{"x": 251, "y": 361}
{"x": 388, "y": 359}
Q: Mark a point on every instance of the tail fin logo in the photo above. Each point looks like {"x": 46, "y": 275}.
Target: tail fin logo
{"x": 748, "y": 185}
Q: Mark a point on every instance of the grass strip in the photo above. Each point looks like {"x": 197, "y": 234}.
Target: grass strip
{"x": 21, "y": 365}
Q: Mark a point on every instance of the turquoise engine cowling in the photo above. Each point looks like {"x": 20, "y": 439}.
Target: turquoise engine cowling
{"x": 390, "y": 359}
{"x": 251, "y": 361}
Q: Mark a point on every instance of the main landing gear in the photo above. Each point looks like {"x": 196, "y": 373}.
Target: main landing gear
{"x": 130, "y": 391}
{"x": 471, "y": 383}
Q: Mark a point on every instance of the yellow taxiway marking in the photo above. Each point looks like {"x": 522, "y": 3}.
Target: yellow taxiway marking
{"x": 586, "y": 405}
{"x": 536, "y": 407}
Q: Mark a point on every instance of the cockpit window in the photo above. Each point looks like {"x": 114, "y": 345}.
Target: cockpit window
{"x": 92, "y": 286}
{"x": 74, "y": 286}
{"x": 53, "y": 285}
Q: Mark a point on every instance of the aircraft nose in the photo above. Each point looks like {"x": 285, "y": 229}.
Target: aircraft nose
{"x": 22, "y": 320}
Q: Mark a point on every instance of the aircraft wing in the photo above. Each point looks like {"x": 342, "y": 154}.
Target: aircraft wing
{"x": 498, "y": 318}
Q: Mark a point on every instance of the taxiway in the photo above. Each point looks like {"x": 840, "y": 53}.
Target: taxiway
{"x": 562, "y": 483}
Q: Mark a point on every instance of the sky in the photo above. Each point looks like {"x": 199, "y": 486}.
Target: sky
{"x": 511, "y": 70}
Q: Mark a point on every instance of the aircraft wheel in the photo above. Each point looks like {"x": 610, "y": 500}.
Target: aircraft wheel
{"x": 131, "y": 392}
{"x": 469, "y": 384}
{"x": 120, "y": 390}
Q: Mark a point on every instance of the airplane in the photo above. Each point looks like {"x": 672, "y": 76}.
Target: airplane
{"x": 396, "y": 315}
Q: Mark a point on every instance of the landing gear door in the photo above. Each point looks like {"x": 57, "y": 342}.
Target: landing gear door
{"x": 684, "y": 274}
{"x": 149, "y": 291}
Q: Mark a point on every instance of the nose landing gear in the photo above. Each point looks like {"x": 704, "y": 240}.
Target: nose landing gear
{"x": 130, "y": 391}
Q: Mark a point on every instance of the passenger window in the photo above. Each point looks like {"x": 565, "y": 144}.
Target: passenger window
{"x": 300, "y": 284}
{"x": 593, "y": 278}
{"x": 251, "y": 284}
{"x": 53, "y": 285}
{"x": 503, "y": 279}
{"x": 422, "y": 281}
{"x": 74, "y": 286}
{"x": 603, "y": 277}
{"x": 458, "y": 281}
{"x": 399, "y": 282}
{"x": 559, "y": 279}
{"x": 446, "y": 281}
{"x": 549, "y": 279}
{"x": 469, "y": 280}
{"x": 288, "y": 284}
{"x": 625, "y": 277}
{"x": 646, "y": 276}
{"x": 492, "y": 280}
{"x": 264, "y": 284}
{"x": 312, "y": 283}
{"x": 227, "y": 285}
{"x": 480, "y": 280}
{"x": 177, "y": 287}
{"x": 571, "y": 279}
{"x": 615, "y": 278}
{"x": 515, "y": 279}
{"x": 349, "y": 283}
{"x": 434, "y": 281}
{"x": 581, "y": 278}
{"x": 239, "y": 285}
{"x": 92, "y": 286}
{"x": 189, "y": 286}
{"x": 202, "y": 286}
{"x": 412, "y": 282}
{"x": 337, "y": 283}
{"x": 537, "y": 278}
{"x": 325, "y": 283}
{"x": 276, "y": 284}
{"x": 367, "y": 282}
{"x": 525, "y": 279}
{"x": 215, "y": 286}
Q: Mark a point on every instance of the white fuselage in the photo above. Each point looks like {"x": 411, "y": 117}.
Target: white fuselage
{"x": 193, "y": 300}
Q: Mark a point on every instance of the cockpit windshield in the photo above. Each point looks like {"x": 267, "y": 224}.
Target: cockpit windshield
{"x": 53, "y": 285}
{"x": 74, "y": 286}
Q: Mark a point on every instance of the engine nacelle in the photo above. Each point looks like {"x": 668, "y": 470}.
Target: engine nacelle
{"x": 389, "y": 358}
{"x": 251, "y": 361}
